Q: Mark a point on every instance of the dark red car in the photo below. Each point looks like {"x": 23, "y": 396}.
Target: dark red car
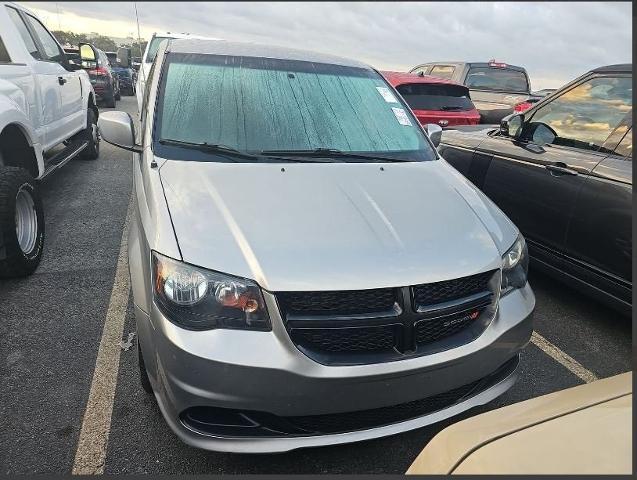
{"x": 435, "y": 100}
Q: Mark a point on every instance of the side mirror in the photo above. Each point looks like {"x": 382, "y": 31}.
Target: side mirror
{"x": 88, "y": 56}
{"x": 435, "y": 133}
{"x": 117, "y": 129}
{"x": 511, "y": 125}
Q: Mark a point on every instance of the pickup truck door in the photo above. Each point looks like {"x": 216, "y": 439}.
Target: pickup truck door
{"x": 47, "y": 113}
{"x": 71, "y": 117}
{"x": 536, "y": 178}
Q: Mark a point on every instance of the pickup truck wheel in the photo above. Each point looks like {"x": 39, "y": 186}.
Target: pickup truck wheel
{"x": 92, "y": 135}
{"x": 21, "y": 223}
{"x": 143, "y": 374}
{"x": 118, "y": 95}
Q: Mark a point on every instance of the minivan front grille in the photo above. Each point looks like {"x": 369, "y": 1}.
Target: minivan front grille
{"x": 430, "y": 294}
{"x": 347, "y": 339}
{"x": 345, "y": 302}
{"x": 372, "y": 326}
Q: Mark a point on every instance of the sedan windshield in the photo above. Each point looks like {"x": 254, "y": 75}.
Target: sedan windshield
{"x": 297, "y": 108}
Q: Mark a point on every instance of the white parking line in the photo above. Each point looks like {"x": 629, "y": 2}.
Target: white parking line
{"x": 91, "y": 448}
{"x": 569, "y": 362}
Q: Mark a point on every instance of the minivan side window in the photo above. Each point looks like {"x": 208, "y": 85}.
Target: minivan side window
{"x": 625, "y": 147}
{"x": 584, "y": 116}
{"x": 442, "y": 71}
{"x": 4, "y": 55}
{"x": 52, "y": 50}
{"x": 24, "y": 33}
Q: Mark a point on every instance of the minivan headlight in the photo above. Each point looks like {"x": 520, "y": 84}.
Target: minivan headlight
{"x": 515, "y": 266}
{"x": 199, "y": 299}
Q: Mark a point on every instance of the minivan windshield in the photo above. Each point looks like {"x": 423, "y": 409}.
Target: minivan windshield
{"x": 281, "y": 107}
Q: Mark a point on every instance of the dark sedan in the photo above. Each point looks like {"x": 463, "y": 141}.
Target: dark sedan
{"x": 562, "y": 171}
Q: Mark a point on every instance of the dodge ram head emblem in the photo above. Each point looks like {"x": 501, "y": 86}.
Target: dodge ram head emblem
{"x": 443, "y": 123}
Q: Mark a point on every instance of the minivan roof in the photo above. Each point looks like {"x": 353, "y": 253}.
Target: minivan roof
{"x": 224, "y": 47}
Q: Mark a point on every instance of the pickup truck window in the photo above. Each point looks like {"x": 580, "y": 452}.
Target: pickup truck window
{"x": 585, "y": 115}
{"x": 4, "y": 55}
{"x": 442, "y": 71}
{"x": 24, "y": 33}
{"x": 498, "y": 79}
{"x": 52, "y": 50}
{"x": 253, "y": 104}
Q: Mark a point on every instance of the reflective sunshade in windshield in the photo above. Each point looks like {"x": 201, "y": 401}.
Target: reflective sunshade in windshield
{"x": 255, "y": 104}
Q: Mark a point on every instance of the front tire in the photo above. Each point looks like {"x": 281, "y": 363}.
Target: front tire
{"x": 21, "y": 223}
{"x": 92, "y": 135}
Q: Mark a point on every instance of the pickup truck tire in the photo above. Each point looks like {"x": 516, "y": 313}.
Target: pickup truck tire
{"x": 92, "y": 135}
{"x": 21, "y": 223}
{"x": 143, "y": 374}
{"x": 118, "y": 95}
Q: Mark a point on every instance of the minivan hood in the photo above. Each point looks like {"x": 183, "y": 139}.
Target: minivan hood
{"x": 332, "y": 226}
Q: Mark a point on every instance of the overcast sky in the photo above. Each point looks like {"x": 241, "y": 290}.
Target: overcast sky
{"x": 555, "y": 42}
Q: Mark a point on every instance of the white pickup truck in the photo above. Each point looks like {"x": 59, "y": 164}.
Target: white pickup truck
{"x": 48, "y": 115}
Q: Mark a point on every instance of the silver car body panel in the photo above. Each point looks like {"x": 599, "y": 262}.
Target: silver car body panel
{"x": 316, "y": 226}
{"x": 311, "y": 227}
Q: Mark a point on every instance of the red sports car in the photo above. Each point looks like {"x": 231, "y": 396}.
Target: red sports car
{"x": 435, "y": 100}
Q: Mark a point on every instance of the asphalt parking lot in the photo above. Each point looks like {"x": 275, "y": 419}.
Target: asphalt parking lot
{"x": 52, "y": 323}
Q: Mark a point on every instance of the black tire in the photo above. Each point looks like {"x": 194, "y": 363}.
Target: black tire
{"x": 18, "y": 263}
{"x": 130, "y": 92}
{"x": 118, "y": 95}
{"x": 110, "y": 101}
{"x": 92, "y": 150}
{"x": 143, "y": 374}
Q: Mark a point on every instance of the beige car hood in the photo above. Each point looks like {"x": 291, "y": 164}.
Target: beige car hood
{"x": 585, "y": 429}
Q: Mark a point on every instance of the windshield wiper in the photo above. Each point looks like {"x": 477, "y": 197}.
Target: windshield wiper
{"x": 328, "y": 153}
{"x": 228, "y": 151}
{"x": 209, "y": 147}
{"x": 450, "y": 108}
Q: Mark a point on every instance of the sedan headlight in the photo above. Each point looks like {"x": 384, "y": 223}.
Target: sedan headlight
{"x": 199, "y": 299}
{"x": 515, "y": 266}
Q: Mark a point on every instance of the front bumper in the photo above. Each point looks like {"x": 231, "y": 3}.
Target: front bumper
{"x": 265, "y": 372}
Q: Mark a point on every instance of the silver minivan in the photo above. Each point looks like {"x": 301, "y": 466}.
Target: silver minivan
{"x": 306, "y": 269}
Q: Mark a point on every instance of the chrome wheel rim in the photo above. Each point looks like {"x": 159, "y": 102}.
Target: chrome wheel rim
{"x": 26, "y": 221}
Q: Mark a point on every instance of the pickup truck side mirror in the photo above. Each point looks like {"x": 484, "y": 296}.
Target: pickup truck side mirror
{"x": 117, "y": 129}
{"x": 511, "y": 125}
{"x": 435, "y": 133}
